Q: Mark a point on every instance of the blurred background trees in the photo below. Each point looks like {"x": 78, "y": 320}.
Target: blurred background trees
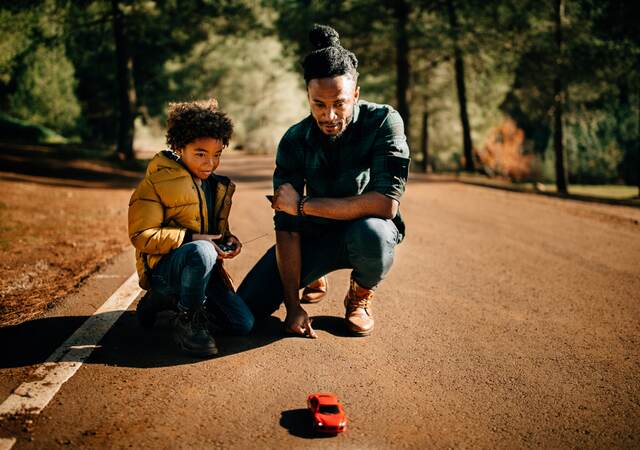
{"x": 529, "y": 90}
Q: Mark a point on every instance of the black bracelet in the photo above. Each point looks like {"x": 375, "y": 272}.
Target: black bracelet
{"x": 301, "y": 203}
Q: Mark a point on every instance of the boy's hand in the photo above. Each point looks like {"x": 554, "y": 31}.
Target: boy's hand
{"x": 237, "y": 246}
{"x": 286, "y": 199}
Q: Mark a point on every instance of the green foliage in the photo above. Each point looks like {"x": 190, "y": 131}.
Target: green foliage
{"x": 593, "y": 153}
{"x": 15, "y": 29}
{"x": 597, "y": 73}
{"x": 37, "y": 80}
{"x": 257, "y": 89}
{"x": 44, "y": 91}
{"x": 58, "y": 68}
{"x": 159, "y": 39}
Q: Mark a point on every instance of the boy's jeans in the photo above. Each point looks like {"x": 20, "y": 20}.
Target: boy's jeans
{"x": 366, "y": 245}
{"x": 187, "y": 272}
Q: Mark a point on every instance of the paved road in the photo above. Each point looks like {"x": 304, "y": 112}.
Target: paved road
{"x": 508, "y": 321}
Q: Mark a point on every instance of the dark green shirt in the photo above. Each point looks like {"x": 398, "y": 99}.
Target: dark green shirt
{"x": 371, "y": 155}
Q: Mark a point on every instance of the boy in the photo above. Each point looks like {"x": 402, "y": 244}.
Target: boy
{"x": 178, "y": 223}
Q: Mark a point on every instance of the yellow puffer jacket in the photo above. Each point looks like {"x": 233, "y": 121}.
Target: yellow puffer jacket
{"x": 166, "y": 204}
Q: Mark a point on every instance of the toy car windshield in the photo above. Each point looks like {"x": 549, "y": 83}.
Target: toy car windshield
{"x": 328, "y": 409}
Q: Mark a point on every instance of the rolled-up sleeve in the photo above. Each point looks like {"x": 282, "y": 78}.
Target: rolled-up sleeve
{"x": 289, "y": 169}
{"x": 390, "y": 164}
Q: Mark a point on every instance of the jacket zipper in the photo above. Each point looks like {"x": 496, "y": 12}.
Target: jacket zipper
{"x": 224, "y": 197}
{"x": 199, "y": 206}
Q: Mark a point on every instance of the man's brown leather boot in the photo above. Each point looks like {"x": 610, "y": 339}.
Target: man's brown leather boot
{"x": 358, "y": 309}
{"x": 315, "y": 291}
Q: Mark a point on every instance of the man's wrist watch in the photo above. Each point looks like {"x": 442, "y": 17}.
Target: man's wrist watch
{"x": 301, "y": 203}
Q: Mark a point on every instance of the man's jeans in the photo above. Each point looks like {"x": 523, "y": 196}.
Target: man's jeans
{"x": 189, "y": 273}
{"x": 365, "y": 245}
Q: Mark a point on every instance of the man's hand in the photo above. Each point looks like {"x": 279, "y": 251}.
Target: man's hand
{"x": 298, "y": 322}
{"x": 286, "y": 199}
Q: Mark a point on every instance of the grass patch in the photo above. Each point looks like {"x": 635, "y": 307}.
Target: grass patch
{"x": 613, "y": 191}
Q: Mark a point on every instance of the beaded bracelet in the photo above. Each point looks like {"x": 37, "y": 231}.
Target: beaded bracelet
{"x": 301, "y": 203}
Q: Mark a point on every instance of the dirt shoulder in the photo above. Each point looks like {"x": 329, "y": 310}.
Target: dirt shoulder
{"x": 61, "y": 218}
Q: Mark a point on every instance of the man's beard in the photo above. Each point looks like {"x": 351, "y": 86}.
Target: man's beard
{"x": 333, "y": 138}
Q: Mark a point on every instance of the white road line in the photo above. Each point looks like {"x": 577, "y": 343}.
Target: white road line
{"x": 101, "y": 276}
{"x": 33, "y": 396}
{"x": 6, "y": 444}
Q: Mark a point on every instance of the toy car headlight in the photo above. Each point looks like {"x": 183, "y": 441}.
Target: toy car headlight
{"x": 342, "y": 424}
{"x": 320, "y": 424}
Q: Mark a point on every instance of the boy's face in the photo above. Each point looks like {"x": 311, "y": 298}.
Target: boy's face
{"x": 202, "y": 156}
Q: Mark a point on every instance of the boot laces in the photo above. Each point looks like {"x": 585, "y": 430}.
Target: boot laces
{"x": 199, "y": 320}
{"x": 359, "y": 303}
{"x": 356, "y": 301}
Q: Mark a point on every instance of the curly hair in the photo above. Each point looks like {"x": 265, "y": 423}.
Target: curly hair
{"x": 329, "y": 58}
{"x": 188, "y": 121}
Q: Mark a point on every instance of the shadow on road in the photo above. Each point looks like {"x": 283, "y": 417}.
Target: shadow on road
{"x": 331, "y": 324}
{"x": 63, "y": 166}
{"x": 298, "y": 423}
{"x": 126, "y": 344}
{"x": 32, "y": 342}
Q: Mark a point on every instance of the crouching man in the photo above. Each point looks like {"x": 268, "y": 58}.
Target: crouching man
{"x": 339, "y": 177}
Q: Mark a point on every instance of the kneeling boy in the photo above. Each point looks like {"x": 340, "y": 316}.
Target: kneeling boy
{"x": 178, "y": 223}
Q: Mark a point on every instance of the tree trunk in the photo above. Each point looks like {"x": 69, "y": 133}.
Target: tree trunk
{"x": 425, "y": 141}
{"x": 558, "y": 96}
{"x": 126, "y": 87}
{"x": 401, "y": 11}
{"x": 469, "y": 165}
{"x": 638, "y": 136}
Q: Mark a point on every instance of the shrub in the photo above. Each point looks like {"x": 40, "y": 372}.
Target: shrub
{"x": 502, "y": 152}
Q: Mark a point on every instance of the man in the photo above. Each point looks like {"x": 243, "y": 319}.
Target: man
{"x": 352, "y": 157}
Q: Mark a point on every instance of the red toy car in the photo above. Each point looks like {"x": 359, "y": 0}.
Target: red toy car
{"x": 327, "y": 413}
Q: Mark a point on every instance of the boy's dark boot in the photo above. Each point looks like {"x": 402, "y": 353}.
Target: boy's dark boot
{"x": 151, "y": 304}
{"x": 191, "y": 333}
{"x": 315, "y": 291}
{"x": 358, "y": 309}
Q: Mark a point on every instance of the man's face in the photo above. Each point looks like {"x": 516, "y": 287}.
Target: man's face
{"x": 202, "y": 156}
{"x": 332, "y": 101}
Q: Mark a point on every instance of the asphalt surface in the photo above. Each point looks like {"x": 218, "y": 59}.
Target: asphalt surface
{"x": 507, "y": 321}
